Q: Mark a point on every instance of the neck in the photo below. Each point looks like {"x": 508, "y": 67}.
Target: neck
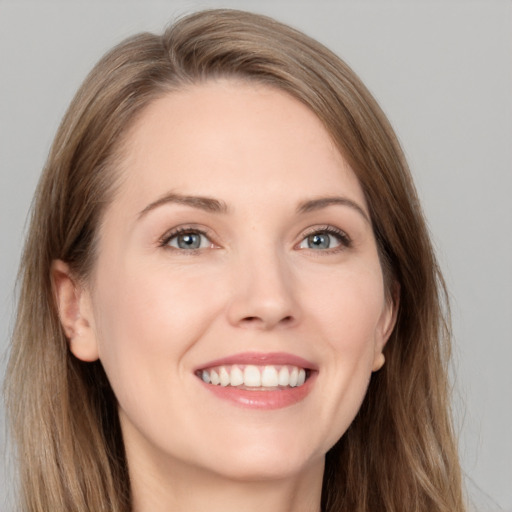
{"x": 157, "y": 489}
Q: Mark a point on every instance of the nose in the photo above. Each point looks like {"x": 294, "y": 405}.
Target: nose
{"x": 264, "y": 295}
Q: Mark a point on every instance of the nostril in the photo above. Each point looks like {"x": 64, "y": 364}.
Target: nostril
{"x": 257, "y": 321}
{"x": 287, "y": 319}
{"x": 251, "y": 319}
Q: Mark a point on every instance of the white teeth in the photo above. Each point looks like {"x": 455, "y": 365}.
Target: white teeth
{"x": 224, "y": 376}
{"x": 269, "y": 377}
{"x": 284, "y": 376}
{"x": 214, "y": 377}
{"x": 252, "y": 376}
{"x": 294, "y": 376}
{"x": 237, "y": 377}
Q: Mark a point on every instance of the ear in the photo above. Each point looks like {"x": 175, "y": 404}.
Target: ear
{"x": 75, "y": 312}
{"x": 386, "y": 325}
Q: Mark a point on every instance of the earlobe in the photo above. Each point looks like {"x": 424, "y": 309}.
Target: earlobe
{"x": 388, "y": 322}
{"x": 378, "y": 362}
{"x": 74, "y": 312}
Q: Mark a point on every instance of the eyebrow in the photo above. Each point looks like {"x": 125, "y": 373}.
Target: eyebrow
{"x": 210, "y": 204}
{"x": 324, "y": 202}
{"x": 202, "y": 203}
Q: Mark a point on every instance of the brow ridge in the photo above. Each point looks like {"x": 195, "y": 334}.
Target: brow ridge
{"x": 210, "y": 204}
{"x": 323, "y": 202}
{"x": 200, "y": 202}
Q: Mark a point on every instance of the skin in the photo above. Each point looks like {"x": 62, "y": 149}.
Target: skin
{"x": 153, "y": 313}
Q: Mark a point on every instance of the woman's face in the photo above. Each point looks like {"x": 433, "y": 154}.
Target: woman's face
{"x": 236, "y": 260}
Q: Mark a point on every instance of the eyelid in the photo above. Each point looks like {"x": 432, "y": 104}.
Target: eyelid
{"x": 344, "y": 238}
{"x": 164, "y": 240}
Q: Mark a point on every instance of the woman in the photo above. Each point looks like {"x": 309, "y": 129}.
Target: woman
{"x": 228, "y": 295}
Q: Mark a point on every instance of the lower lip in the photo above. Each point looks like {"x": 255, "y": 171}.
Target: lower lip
{"x": 266, "y": 400}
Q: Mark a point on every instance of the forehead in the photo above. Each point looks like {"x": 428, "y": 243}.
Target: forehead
{"x": 221, "y": 137}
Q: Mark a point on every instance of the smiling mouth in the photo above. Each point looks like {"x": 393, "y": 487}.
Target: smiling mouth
{"x": 254, "y": 377}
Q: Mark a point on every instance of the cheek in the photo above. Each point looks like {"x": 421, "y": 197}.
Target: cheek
{"x": 346, "y": 311}
{"x": 148, "y": 317}
{"x": 347, "y": 304}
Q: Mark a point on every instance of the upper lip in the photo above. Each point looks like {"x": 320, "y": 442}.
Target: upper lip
{"x": 261, "y": 359}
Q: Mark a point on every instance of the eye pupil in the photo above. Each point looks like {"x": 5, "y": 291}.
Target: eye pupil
{"x": 318, "y": 241}
{"x": 189, "y": 241}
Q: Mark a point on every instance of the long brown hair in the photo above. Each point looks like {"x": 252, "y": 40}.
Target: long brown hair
{"x": 399, "y": 453}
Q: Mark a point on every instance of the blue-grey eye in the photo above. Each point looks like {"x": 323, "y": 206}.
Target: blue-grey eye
{"x": 320, "y": 240}
{"x": 189, "y": 241}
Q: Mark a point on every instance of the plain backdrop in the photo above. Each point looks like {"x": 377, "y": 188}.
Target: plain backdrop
{"x": 441, "y": 71}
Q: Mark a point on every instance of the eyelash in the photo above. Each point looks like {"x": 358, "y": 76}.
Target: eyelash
{"x": 184, "y": 230}
{"x": 344, "y": 240}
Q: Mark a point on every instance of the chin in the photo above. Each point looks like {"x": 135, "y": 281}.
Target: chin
{"x": 265, "y": 459}
{"x": 263, "y": 468}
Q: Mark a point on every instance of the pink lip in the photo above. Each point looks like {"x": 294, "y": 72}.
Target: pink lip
{"x": 261, "y": 359}
{"x": 263, "y": 399}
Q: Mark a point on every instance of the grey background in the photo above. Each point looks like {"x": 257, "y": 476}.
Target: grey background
{"x": 442, "y": 72}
